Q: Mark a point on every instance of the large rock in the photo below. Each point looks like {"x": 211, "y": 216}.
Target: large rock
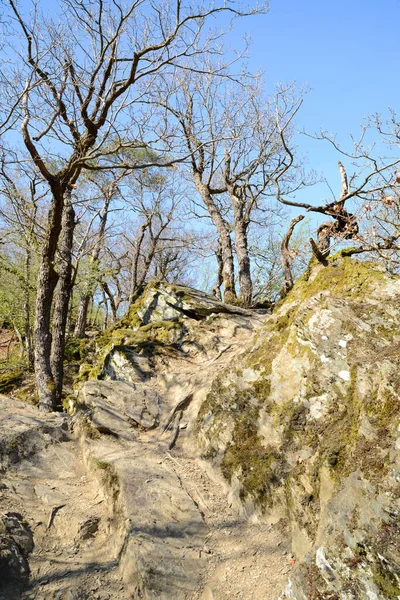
{"x": 118, "y": 407}
{"x": 16, "y": 543}
{"x": 167, "y": 302}
{"x": 308, "y": 425}
{"x": 25, "y": 431}
{"x": 123, "y": 364}
{"x": 161, "y": 531}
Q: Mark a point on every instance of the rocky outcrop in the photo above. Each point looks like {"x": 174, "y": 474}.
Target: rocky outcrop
{"x": 307, "y": 428}
{"x": 118, "y": 407}
{"x": 294, "y": 417}
{"x": 16, "y": 543}
{"x": 24, "y": 431}
{"x": 167, "y": 302}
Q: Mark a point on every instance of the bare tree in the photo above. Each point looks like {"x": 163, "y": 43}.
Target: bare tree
{"x": 373, "y": 176}
{"x": 107, "y": 186}
{"x": 82, "y": 79}
{"x": 233, "y": 134}
{"x": 21, "y": 206}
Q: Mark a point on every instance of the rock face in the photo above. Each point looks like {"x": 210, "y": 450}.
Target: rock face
{"x": 294, "y": 417}
{"x": 164, "y": 302}
{"x": 124, "y": 364}
{"x": 307, "y": 427}
{"x": 118, "y": 407}
{"x": 16, "y": 543}
{"x": 23, "y": 431}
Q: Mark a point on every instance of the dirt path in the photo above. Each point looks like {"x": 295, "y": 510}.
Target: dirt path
{"x": 246, "y": 560}
{"x": 127, "y": 517}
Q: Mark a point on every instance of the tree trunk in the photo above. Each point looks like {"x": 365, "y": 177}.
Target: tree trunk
{"x": 242, "y": 252}
{"x": 220, "y": 280}
{"x": 105, "y": 302}
{"x": 27, "y": 310}
{"x": 135, "y": 262}
{"x": 92, "y": 283}
{"x": 80, "y": 325}
{"x": 20, "y": 341}
{"x": 225, "y": 237}
{"x": 285, "y": 256}
{"x": 47, "y": 281}
{"x": 62, "y": 297}
{"x": 111, "y": 300}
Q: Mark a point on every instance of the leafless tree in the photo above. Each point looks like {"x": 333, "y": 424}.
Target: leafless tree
{"x": 77, "y": 81}
{"x": 373, "y": 177}
{"x": 22, "y": 199}
{"x": 233, "y": 135}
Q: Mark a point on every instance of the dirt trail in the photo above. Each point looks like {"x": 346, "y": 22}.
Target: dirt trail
{"x": 125, "y": 514}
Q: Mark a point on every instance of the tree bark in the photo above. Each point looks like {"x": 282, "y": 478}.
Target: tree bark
{"x": 27, "y": 310}
{"x": 47, "y": 281}
{"x": 81, "y": 320}
{"x": 135, "y": 262}
{"x": 285, "y": 256}
{"x": 217, "y": 288}
{"x": 242, "y": 252}
{"x": 111, "y": 300}
{"x": 228, "y": 273}
{"x": 62, "y": 297}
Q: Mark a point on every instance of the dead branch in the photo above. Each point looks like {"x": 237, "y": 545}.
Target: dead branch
{"x": 175, "y": 430}
{"x": 181, "y": 405}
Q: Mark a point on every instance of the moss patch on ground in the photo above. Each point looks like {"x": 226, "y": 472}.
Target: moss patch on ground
{"x": 10, "y": 380}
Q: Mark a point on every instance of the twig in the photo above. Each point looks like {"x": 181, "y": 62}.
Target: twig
{"x": 175, "y": 430}
{"x": 179, "y": 406}
{"x": 220, "y": 353}
{"x": 53, "y": 513}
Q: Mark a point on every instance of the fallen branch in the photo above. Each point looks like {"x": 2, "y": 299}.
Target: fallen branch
{"x": 175, "y": 430}
{"x": 181, "y": 405}
{"x": 53, "y": 513}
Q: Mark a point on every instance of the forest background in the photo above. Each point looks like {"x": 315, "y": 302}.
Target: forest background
{"x": 204, "y": 145}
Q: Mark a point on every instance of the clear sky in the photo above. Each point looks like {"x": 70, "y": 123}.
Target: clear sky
{"x": 347, "y": 52}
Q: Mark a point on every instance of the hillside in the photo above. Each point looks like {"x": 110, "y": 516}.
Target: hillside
{"x": 213, "y": 452}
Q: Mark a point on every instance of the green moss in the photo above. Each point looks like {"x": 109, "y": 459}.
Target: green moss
{"x": 101, "y": 464}
{"x": 253, "y": 464}
{"x": 168, "y": 325}
{"x": 344, "y": 278}
{"x": 10, "y": 380}
{"x": 386, "y": 581}
{"x": 77, "y": 349}
{"x": 50, "y": 385}
{"x": 245, "y": 456}
{"x": 88, "y": 372}
{"x": 69, "y": 404}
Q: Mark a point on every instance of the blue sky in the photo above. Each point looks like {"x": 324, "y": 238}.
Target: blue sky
{"x": 347, "y": 52}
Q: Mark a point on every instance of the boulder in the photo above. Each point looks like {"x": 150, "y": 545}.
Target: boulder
{"x": 312, "y": 435}
{"x": 118, "y": 407}
{"x": 25, "y": 431}
{"x": 161, "y": 531}
{"x": 167, "y": 302}
{"x": 16, "y": 543}
{"x": 123, "y": 364}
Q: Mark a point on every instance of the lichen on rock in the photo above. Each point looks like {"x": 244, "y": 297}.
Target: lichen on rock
{"x": 317, "y": 429}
